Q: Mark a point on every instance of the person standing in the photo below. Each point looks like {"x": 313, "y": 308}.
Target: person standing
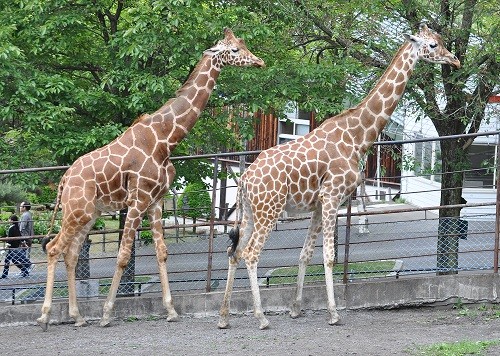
{"x": 27, "y": 227}
{"x": 15, "y": 253}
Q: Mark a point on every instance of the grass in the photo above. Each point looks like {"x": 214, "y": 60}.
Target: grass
{"x": 61, "y": 289}
{"x": 315, "y": 273}
{"x": 460, "y": 348}
{"x": 104, "y": 284}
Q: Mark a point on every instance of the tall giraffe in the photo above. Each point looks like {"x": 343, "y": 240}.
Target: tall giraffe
{"x": 134, "y": 171}
{"x": 317, "y": 172}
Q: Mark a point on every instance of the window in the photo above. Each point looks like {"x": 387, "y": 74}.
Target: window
{"x": 294, "y": 126}
{"x": 482, "y": 167}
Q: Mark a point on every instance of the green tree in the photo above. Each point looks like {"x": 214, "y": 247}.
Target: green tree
{"x": 366, "y": 35}
{"x": 78, "y": 73}
{"x": 195, "y": 201}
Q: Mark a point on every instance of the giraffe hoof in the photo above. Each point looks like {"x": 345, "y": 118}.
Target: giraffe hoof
{"x": 43, "y": 324}
{"x": 335, "y": 321}
{"x": 223, "y": 324}
{"x": 81, "y": 323}
{"x": 173, "y": 318}
{"x": 105, "y": 322}
{"x": 295, "y": 311}
{"x": 264, "y": 324}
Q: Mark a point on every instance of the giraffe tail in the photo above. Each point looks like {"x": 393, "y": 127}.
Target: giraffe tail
{"x": 234, "y": 234}
{"x": 48, "y": 237}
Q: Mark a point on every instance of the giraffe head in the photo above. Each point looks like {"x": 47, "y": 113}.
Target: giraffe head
{"x": 233, "y": 51}
{"x": 430, "y": 47}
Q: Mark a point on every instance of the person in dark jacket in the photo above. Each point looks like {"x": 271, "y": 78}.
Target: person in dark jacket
{"x": 15, "y": 253}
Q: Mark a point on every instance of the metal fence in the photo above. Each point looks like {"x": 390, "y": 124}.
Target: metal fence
{"x": 387, "y": 240}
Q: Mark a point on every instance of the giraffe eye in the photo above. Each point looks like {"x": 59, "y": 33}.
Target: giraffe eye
{"x": 234, "y": 50}
{"x": 433, "y": 45}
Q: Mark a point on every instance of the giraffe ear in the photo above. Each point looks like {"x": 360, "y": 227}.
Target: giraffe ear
{"x": 214, "y": 50}
{"x": 423, "y": 26}
{"x": 228, "y": 33}
{"x": 412, "y": 38}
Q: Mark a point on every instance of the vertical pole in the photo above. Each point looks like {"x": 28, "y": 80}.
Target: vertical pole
{"x": 212, "y": 228}
{"x": 378, "y": 173}
{"x": 222, "y": 193}
{"x": 347, "y": 239}
{"x": 497, "y": 210}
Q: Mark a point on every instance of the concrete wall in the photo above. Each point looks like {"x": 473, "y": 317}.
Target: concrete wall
{"x": 387, "y": 293}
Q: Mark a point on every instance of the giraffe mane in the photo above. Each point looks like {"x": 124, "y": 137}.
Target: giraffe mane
{"x": 190, "y": 80}
{"x": 139, "y": 119}
{"x": 382, "y": 78}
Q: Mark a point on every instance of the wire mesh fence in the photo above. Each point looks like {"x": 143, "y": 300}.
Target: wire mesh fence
{"x": 397, "y": 242}
{"x": 388, "y": 239}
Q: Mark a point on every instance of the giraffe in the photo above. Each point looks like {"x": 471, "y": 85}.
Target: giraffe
{"x": 134, "y": 171}
{"x": 316, "y": 173}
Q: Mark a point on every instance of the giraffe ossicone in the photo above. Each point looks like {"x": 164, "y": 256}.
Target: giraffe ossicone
{"x": 316, "y": 173}
{"x": 133, "y": 171}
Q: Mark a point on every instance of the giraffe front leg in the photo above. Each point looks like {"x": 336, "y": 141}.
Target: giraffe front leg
{"x": 133, "y": 220}
{"x": 304, "y": 260}
{"x": 332, "y": 308}
{"x": 329, "y": 262}
{"x": 167, "y": 297}
{"x": 113, "y": 289}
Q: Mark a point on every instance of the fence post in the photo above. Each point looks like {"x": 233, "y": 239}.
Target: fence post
{"x": 212, "y": 228}
{"x": 347, "y": 238}
{"x": 126, "y": 287}
{"x": 83, "y": 265}
{"x": 497, "y": 210}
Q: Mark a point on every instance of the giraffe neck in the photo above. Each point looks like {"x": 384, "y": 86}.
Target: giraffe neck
{"x": 180, "y": 114}
{"x": 377, "y": 107}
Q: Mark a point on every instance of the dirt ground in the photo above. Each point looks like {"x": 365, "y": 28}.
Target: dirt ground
{"x": 367, "y": 332}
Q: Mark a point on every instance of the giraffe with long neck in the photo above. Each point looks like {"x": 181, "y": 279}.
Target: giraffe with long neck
{"x": 316, "y": 173}
{"x": 134, "y": 171}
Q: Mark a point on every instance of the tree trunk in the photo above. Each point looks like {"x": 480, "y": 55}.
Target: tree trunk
{"x": 127, "y": 287}
{"x": 454, "y": 160}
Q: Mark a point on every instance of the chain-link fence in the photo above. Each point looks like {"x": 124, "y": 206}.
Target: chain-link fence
{"x": 391, "y": 239}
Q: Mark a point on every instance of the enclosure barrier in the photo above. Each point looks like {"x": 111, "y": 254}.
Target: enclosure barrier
{"x": 387, "y": 240}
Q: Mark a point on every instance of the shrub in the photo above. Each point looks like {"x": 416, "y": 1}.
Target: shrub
{"x": 45, "y": 195}
{"x": 11, "y": 194}
{"x": 195, "y": 201}
{"x": 146, "y": 236}
{"x": 99, "y": 224}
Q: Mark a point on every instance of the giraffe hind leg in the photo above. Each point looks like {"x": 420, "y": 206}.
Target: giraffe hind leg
{"x": 304, "y": 260}
{"x": 54, "y": 248}
{"x": 234, "y": 254}
{"x": 52, "y": 257}
{"x": 134, "y": 217}
{"x": 161, "y": 257}
{"x": 71, "y": 259}
{"x": 251, "y": 254}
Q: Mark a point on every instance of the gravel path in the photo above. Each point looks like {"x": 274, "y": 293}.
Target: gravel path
{"x": 367, "y": 332}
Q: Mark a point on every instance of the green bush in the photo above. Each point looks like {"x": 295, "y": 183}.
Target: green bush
{"x": 11, "y": 194}
{"x": 195, "y": 201}
{"x": 45, "y": 195}
{"x": 41, "y": 223}
{"x": 146, "y": 236}
{"x": 99, "y": 224}
{"x": 3, "y": 230}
